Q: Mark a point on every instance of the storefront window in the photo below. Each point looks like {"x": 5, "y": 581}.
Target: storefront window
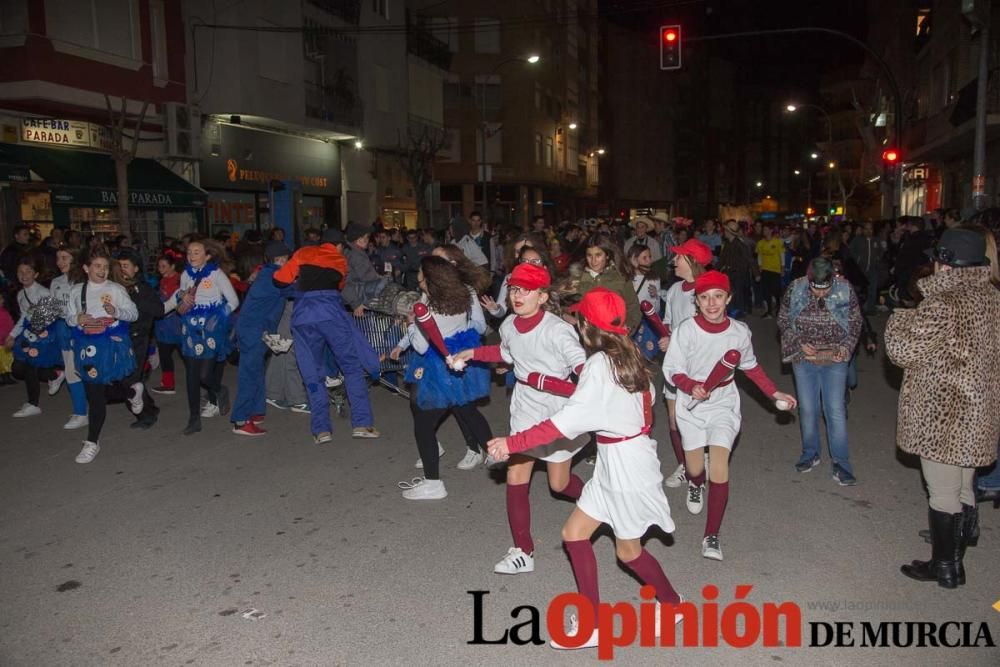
{"x": 312, "y": 212}
{"x": 36, "y": 207}
{"x": 231, "y": 212}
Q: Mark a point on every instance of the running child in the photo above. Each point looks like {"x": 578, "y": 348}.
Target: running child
{"x": 36, "y": 349}
{"x": 167, "y": 329}
{"x": 67, "y": 261}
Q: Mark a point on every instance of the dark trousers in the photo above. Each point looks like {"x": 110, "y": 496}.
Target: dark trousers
{"x": 97, "y": 409}
{"x": 770, "y": 284}
{"x": 32, "y": 377}
{"x": 200, "y": 372}
{"x": 166, "y": 356}
{"x": 425, "y": 425}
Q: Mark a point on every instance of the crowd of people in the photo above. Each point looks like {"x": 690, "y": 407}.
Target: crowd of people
{"x": 586, "y": 324}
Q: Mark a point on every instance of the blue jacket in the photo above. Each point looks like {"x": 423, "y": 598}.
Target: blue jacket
{"x": 261, "y": 309}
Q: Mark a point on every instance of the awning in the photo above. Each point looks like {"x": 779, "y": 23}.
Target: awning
{"x": 84, "y": 178}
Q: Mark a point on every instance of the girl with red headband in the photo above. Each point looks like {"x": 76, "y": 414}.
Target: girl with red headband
{"x": 713, "y": 418}
{"x": 535, "y": 341}
{"x": 614, "y": 398}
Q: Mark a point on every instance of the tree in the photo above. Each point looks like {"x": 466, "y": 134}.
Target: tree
{"x": 122, "y": 154}
{"x": 416, "y": 157}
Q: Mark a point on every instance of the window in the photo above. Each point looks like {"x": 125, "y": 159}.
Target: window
{"x": 272, "y": 63}
{"x": 382, "y": 95}
{"x": 381, "y": 7}
{"x": 548, "y": 151}
{"x": 157, "y": 27}
{"x": 488, "y": 92}
{"x": 104, "y": 25}
{"x": 445, "y": 29}
{"x": 487, "y": 34}
{"x": 13, "y": 17}
{"x": 538, "y": 148}
{"x": 572, "y": 152}
{"x": 453, "y": 92}
{"x": 538, "y": 96}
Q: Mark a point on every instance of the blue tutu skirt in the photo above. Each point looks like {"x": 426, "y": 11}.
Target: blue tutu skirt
{"x": 105, "y": 357}
{"x": 207, "y": 332}
{"x": 437, "y": 386}
{"x": 42, "y": 349}
{"x": 167, "y": 330}
{"x": 647, "y": 340}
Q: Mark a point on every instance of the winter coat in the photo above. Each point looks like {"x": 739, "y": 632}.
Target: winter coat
{"x": 614, "y": 281}
{"x": 949, "y": 404}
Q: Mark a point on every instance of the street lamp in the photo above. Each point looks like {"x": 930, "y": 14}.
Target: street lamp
{"x": 760, "y": 184}
{"x": 601, "y": 151}
{"x": 797, "y": 172}
{"x": 572, "y": 126}
{"x": 814, "y": 155}
{"x": 792, "y": 108}
{"x": 531, "y": 59}
{"x": 832, "y": 165}
{"x": 359, "y": 144}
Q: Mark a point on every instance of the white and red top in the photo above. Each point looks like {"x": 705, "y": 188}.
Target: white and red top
{"x": 680, "y": 304}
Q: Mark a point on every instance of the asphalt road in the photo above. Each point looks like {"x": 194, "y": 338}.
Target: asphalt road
{"x": 154, "y": 553}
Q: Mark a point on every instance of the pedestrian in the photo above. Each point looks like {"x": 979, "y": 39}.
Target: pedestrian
{"x": 713, "y": 419}
{"x": 411, "y": 254}
{"x": 205, "y": 301}
{"x": 737, "y": 261}
{"x": 771, "y": 259}
{"x": 820, "y": 322}
{"x": 867, "y": 251}
{"x": 461, "y": 235}
{"x": 643, "y": 239}
{"x": 128, "y": 273}
{"x": 363, "y": 283}
{"x": 6, "y": 354}
{"x": 438, "y": 390}
{"x": 259, "y": 315}
{"x": 498, "y": 307}
{"x": 614, "y": 398}
{"x": 690, "y": 261}
{"x": 647, "y": 287}
{"x": 167, "y": 329}
{"x": 99, "y": 312}
{"x": 605, "y": 268}
{"x": 534, "y": 341}
{"x": 68, "y": 265}
{"x": 322, "y": 327}
{"x": 710, "y": 236}
{"x": 35, "y": 345}
{"x": 14, "y": 251}
{"x": 949, "y": 402}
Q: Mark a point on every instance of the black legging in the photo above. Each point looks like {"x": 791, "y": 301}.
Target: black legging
{"x": 166, "y": 355}
{"x": 32, "y": 377}
{"x": 97, "y": 409}
{"x": 201, "y": 372}
{"x": 425, "y": 425}
{"x": 770, "y": 284}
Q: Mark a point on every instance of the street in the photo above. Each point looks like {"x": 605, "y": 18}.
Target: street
{"x": 161, "y": 550}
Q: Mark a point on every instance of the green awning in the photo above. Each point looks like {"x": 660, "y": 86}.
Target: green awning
{"x": 85, "y": 178}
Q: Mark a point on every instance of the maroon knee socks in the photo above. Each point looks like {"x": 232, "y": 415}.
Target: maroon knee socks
{"x": 581, "y": 557}
{"x": 649, "y": 572}
{"x": 519, "y": 516}
{"x": 718, "y": 497}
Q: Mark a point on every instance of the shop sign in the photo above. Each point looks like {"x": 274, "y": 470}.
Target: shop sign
{"x": 237, "y": 174}
{"x": 77, "y": 196}
{"x": 55, "y": 131}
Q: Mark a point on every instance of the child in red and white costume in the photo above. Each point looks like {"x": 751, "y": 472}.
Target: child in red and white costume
{"x": 690, "y": 260}
{"x": 614, "y": 398}
{"x": 535, "y": 341}
{"x": 713, "y": 418}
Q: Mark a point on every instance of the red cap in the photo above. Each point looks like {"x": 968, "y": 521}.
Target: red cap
{"x": 528, "y": 276}
{"x": 604, "y": 309}
{"x": 695, "y": 249}
{"x": 712, "y": 280}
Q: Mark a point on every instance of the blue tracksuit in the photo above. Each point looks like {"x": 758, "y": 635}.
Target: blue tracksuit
{"x": 259, "y": 313}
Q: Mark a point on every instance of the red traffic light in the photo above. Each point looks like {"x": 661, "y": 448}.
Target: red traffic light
{"x": 669, "y": 36}
{"x": 890, "y": 156}
{"x": 670, "y": 47}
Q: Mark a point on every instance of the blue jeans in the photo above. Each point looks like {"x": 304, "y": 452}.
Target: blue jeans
{"x": 815, "y": 383}
{"x": 991, "y": 481}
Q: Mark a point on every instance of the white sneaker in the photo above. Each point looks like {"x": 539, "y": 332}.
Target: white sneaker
{"x": 28, "y": 410}
{"x": 710, "y": 548}
{"x": 419, "y": 488}
{"x": 89, "y": 452}
{"x": 75, "y": 422}
{"x": 210, "y": 410}
{"x": 55, "y": 384}
{"x": 678, "y": 617}
{"x": 135, "y": 402}
{"x": 676, "y": 479}
{"x": 420, "y": 462}
{"x": 333, "y": 382}
{"x": 515, "y": 562}
{"x": 574, "y": 629}
{"x": 695, "y": 498}
{"x": 470, "y": 461}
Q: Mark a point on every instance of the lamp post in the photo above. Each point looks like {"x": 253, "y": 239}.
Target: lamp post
{"x": 530, "y": 60}
{"x": 792, "y": 108}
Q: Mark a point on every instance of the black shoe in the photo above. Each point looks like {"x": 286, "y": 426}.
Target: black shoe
{"x": 193, "y": 426}
{"x": 970, "y": 528}
{"x": 945, "y": 566}
{"x": 222, "y": 400}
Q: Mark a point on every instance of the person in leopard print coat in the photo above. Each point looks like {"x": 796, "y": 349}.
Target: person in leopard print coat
{"x": 949, "y": 403}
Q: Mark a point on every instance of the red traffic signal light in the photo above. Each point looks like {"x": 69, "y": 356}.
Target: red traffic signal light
{"x": 890, "y": 156}
{"x": 670, "y": 47}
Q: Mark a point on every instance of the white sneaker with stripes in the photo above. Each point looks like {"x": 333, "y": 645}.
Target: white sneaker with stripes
{"x": 515, "y": 562}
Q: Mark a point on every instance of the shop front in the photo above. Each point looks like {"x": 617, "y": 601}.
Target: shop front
{"x": 240, "y": 166}
{"x": 921, "y": 192}
{"x": 77, "y": 189}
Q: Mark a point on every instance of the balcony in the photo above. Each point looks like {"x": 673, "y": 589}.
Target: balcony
{"x": 949, "y": 133}
{"x": 424, "y": 45}
{"x": 348, "y": 10}
{"x": 340, "y": 105}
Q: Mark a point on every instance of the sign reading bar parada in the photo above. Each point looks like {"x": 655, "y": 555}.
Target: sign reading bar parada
{"x": 55, "y": 131}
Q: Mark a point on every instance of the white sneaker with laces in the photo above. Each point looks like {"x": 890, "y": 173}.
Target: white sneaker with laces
{"x": 676, "y": 479}
{"x": 89, "y": 452}
{"x": 420, "y": 462}
{"x": 419, "y": 488}
{"x": 333, "y": 382}
{"x": 75, "y": 422}
{"x": 678, "y": 617}
{"x": 695, "y": 498}
{"x": 515, "y": 562}
{"x": 28, "y": 410}
{"x": 574, "y": 629}
{"x": 470, "y": 461}
{"x": 210, "y": 410}
{"x": 710, "y": 548}
{"x": 135, "y": 401}
{"x": 55, "y": 384}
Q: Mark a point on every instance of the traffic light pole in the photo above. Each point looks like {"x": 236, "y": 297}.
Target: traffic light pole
{"x": 893, "y": 84}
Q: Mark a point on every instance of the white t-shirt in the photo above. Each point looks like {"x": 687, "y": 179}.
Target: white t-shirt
{"x": 99, "y": 294}
{"x": 680, "y": 304}
{"x": 26, "y": 299}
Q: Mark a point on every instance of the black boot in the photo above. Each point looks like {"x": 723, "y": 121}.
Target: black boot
{"x": 945, "y": 566}
{"x": 970, "y": 528}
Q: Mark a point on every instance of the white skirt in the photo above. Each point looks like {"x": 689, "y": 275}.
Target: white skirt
{"x": 715, "y": 422}
{"x": 626, "y": 491}
{"x": 528, "y": 407}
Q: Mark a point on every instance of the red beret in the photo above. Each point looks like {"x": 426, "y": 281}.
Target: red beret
{"x": 528, "y": 276}
{"x": 712, "y": 280}
{"x": 695, "y": 249}
{"x": 604, "y": 309}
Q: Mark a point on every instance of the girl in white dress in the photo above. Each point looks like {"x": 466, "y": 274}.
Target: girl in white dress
{"x": 614, "y": 398}
{"x": 534, "y": 341}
